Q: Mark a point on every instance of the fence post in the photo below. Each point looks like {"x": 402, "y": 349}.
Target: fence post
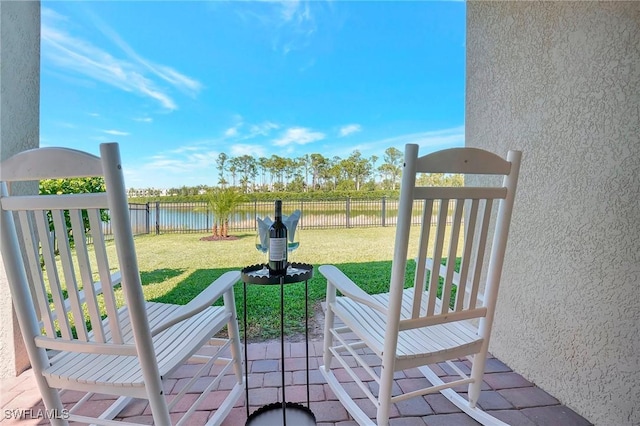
{"x": 255, "y": 215}
{"x": 301, "y": 214}
{"x": 157, "y": 217}
{"x": 207, "y": 221}
{"x": 147, "y": 220}
{"x": 384, "y": 211}
{"x": 348, "y": 212}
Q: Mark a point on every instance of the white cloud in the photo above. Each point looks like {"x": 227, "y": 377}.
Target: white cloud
{"x": 298, "y": 135}
{"x": 290, "y": 23}
{"x": 238, "y": 150}
{"x": 231, "y": 131}
{"x": 52, "y": 15}
{"x": 202, "y": 160}
{"x": 262, "y": 129}
{"x": 116, "y": 132}
{"x": 289, "y": 9}
{"x": 190, "y": 162}
{"x": 349, "y": 129}
{"x": 428, "y": 141}
{"x": 166, "y": 73}
{"x": 133, "y": 74}
{"x": 188, "y": 148}
{"x": 161, "y": 163}
{"x": 242, "y": 131}
{"x": 177, "y": 79}
{"x": 143, "y": 119}
{"x": 445, "y": 138}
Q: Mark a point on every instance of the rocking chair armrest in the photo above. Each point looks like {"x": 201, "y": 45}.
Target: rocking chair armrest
{"x": 85, "y": 347}
{"x": 206, "y": 298}
{"x": 348, "y": 288}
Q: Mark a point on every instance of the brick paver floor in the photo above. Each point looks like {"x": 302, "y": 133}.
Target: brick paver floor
{"x": 505, "y": 394}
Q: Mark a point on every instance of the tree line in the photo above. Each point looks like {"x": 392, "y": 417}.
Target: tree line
{"x": 311, "y": 172}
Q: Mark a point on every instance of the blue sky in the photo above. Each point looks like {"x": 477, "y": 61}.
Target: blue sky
{"x": 176, "y": 83}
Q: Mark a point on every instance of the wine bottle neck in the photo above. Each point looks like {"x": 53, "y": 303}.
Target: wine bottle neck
{"x": 278, "y": 212}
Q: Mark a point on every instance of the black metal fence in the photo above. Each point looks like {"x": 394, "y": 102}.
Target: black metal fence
{"x": 165, "y": 217}
{"x": 139, "y": 216}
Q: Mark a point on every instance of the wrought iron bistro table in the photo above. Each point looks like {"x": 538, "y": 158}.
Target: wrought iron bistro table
{"x": 279, "y": 412}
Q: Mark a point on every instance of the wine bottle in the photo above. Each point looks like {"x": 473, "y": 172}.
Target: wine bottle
{"x": 278, "y": 243}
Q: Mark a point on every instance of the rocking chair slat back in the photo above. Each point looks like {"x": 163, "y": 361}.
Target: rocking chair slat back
{"x": 466, "y": 254}
{"x": 53, "y": 229}
{"x": 452, "y": 238}
{"x": 89, "y": 292}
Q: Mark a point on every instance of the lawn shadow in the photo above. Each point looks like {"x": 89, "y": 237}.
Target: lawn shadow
{"x": 263, "y": 301}
{"x": 245, "y": 235}
{"x": 184, "y": 291}
{"x": 159, "y": 275}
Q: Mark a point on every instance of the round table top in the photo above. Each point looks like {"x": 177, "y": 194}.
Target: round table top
{"x": 259, "y": 274}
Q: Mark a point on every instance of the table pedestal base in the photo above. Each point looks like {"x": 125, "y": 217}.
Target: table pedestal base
{"x": 279, "y": 413}
{"x": 273, "y": 414}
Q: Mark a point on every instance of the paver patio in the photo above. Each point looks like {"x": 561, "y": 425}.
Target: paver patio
{"x": 506, "y": 394}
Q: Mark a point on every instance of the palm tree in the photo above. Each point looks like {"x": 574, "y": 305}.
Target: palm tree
{"x": 223, "y": 202}
{"x": 221, "y": 166}
{"x": 392, "y": 166}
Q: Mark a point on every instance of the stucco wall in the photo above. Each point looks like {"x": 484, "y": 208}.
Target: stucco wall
{"x": 561, "y": 82}
{"x": 19, "y": 130}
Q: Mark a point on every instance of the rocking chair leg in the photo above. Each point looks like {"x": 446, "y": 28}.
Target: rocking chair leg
{"x": 234, "y": 333}
{"x": 384, "y": 396}
{"x": 328, "y": 340}
{"x": 52, "y": 400}
{"x": 477, "y": 372}
{"x": 50, "y": 396}
{"x": 328, "y": 326}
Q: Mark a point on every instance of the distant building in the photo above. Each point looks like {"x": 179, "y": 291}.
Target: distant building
{"x": 147, "y": 192}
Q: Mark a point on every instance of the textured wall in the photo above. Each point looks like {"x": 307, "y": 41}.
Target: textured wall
{"x": 19, "y": 130}
{"x": 561, "y": 81}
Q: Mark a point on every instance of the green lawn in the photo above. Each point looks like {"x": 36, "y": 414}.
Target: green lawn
{"x": 176, "y": 267}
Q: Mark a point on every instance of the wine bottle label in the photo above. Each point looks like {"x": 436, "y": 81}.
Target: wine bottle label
{"x": 277, "y": 249}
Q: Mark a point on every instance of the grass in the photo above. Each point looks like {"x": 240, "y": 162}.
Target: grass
{"x": 176, "y": 267}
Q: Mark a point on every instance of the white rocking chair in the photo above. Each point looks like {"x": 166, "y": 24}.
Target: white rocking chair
{"x": 420, "y": 325}
{"x": 81, "y": 331}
